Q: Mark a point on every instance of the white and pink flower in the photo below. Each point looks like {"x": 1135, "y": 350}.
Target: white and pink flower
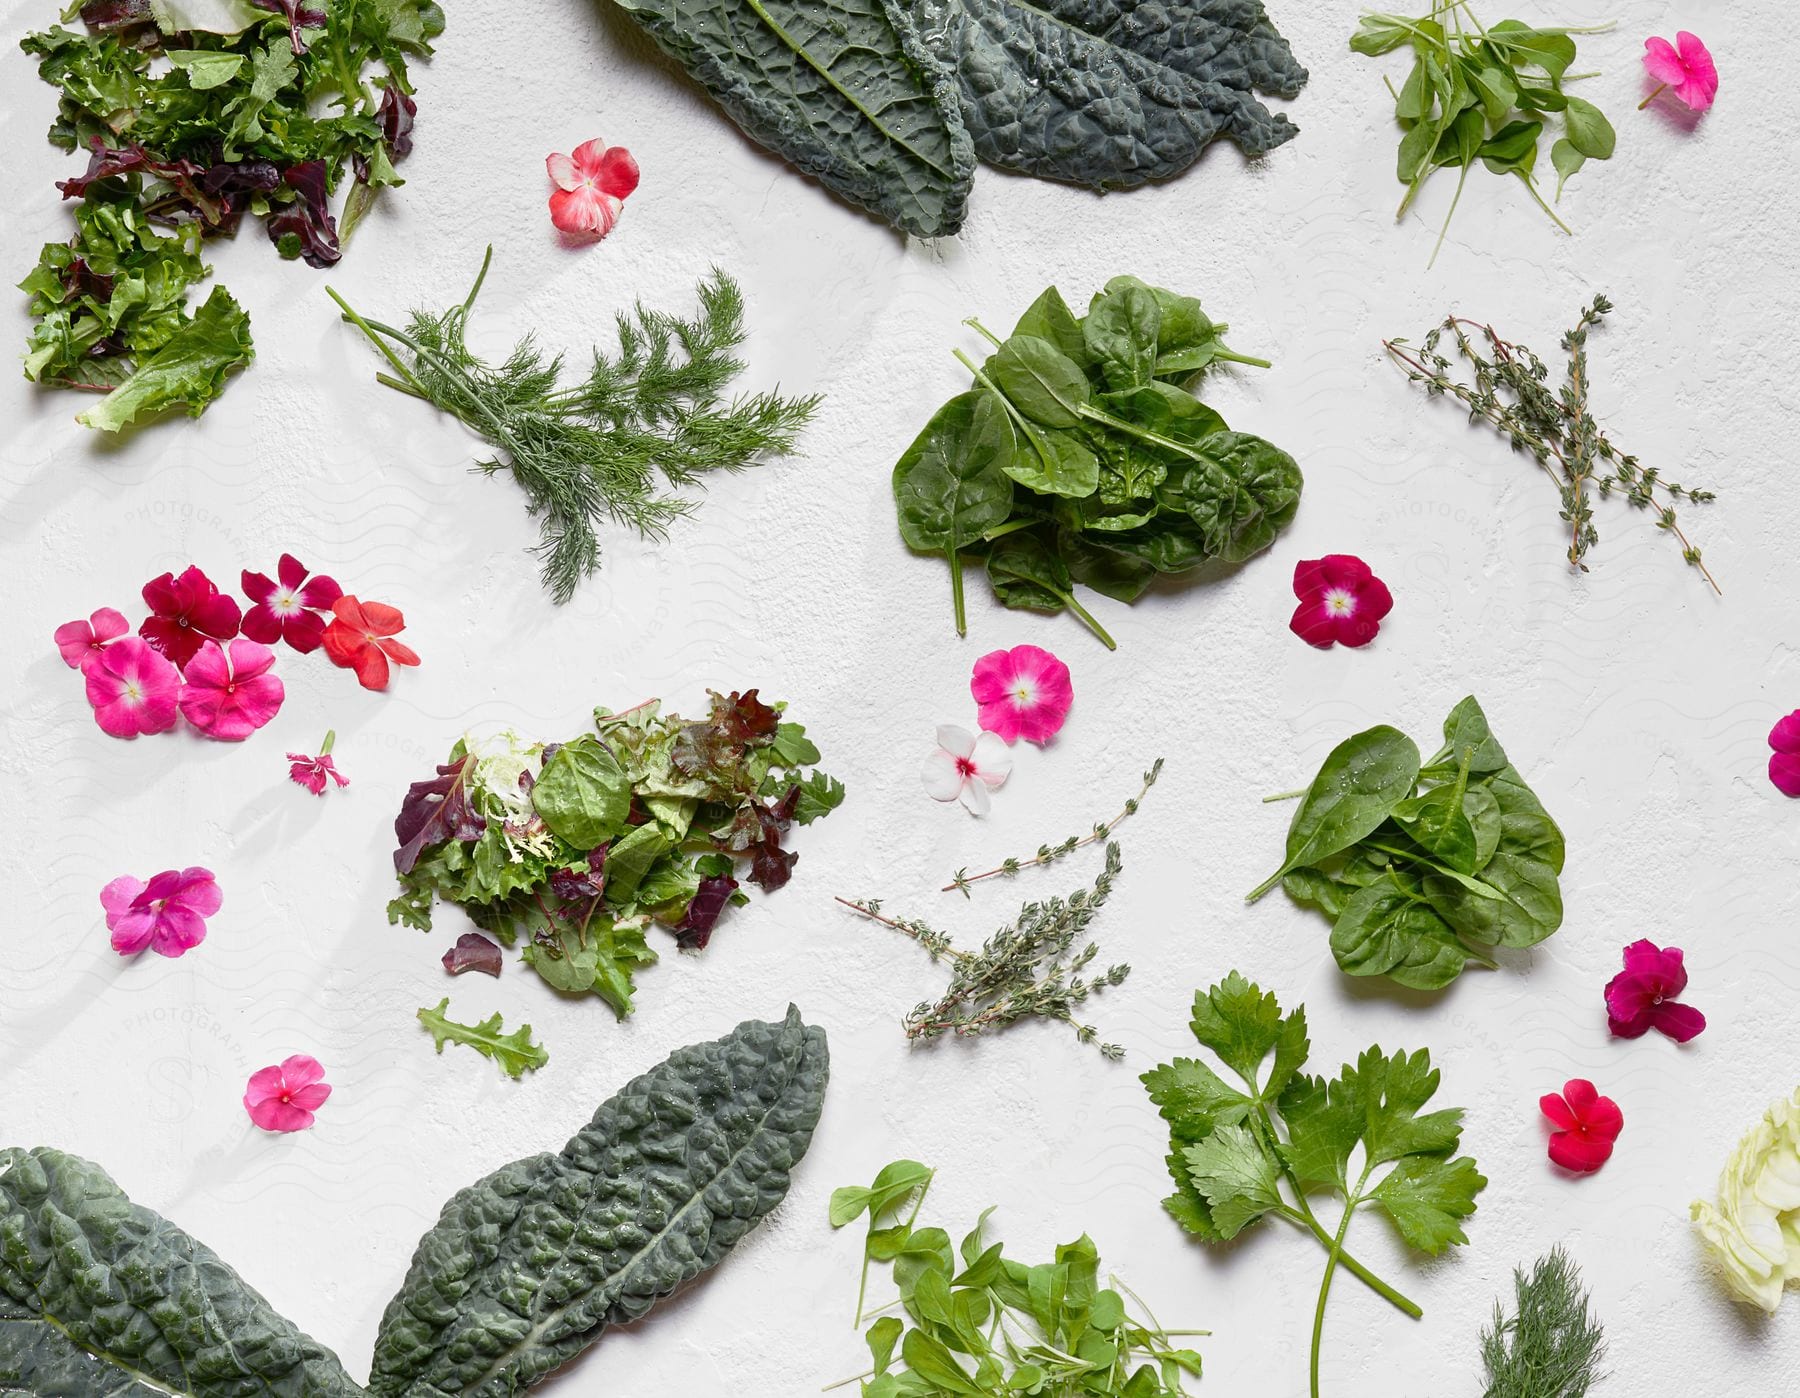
{"x": 592, "y": 184}
{"x": 966, "y": 768}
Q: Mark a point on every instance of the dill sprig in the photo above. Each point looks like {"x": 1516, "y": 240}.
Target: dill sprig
{"x": 1028, "y": 969}
{"x": 1551, "y": 1347}
{"x": 1049, "y": 854}
{"x": 1557, "y": 429}
{"x": 602, "y": 449}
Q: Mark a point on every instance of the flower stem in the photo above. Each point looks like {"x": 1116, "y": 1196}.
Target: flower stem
{"x": 1660, "y": 89}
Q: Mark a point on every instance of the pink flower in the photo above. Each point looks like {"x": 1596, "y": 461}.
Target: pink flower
{"x": 312, "y": 772}
{"x": 1340, "y": 601}
{"x": 361, "y": 636}
{"x": 1588, "y": 1125}
{"x": 1784, "y": 766}
{"x": 188, "y": 611}
{"x": 1642, "y": 996}
{"x": 132, "y": 688}
{"x": 229, "y": 696}
{"x": 81, "y": 641}
{"x": 1023, "y": 693}
{"x": 284, "y": 1096}
{"x": 966, "y": 768}
{"x": 288, "y": 611}
{"x": 168, "y": 914}
{"x": 1685, "y": 66}
{"x": 591, "y": 187}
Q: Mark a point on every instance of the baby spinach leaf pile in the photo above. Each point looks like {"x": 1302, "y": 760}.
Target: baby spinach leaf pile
{"x": 1423, "y": 867}
{"x": 1239, "y": 1155}
{"x": 599, "y": 450}
{"x": 889, "y": 103}
{"x": 99, "y": 1295}
{"x": 193, "y": 116}
{"x": 576, "y": 849}
{"x": 1080, "y": 456}
{"x": 975, "y": 1322}
{"x": 1484, "y": 94}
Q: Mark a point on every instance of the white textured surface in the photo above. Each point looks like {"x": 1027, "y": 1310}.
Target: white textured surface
{"x": 1635, "y": 703}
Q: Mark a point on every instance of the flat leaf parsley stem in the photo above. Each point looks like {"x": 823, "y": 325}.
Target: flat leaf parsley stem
{"x": 1331, "y": 1262}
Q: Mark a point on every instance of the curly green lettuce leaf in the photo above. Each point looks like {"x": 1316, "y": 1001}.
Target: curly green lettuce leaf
{"x": 189, "y": 371}
{"x": 515, "y": 1052}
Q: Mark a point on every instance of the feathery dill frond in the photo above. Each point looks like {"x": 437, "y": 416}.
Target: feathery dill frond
{"x": 1551, "y": 1347}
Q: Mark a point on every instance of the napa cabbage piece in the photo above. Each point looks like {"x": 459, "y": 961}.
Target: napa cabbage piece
{"x": 1753, "y": 1230}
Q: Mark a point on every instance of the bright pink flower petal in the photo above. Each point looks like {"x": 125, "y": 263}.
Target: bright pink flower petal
{"x": 1023, "y": 692}
{"x": 291, "y": 571}
{"x": 304, "y": 632}
{"x": 264, "y": 1083}
{"x": 178, "y": 930}
{"x": 119, "y": 895}
{"x": 133, "y": 930}
{"x": 311, "y": 1098}
{"x": 217, "y": 616}
{"x": 1312, "y": 623}
{"x": 250, "y": 659}
{"x": 262, "y": 625}
{"x": 284, "y": 1098}
{"x": 80, "y": 641}
{"x": 1628, "y": 1001}
{"x": 1583, "y": 1154}
{"x": 1001, "y": 717}
{"x": 199, "y": 890}
{"x": 1680, "y": 1022}
{"x": 1662, "y": 62}
{"x": 1581, "y": 1095}
{"x": 1702, "y": 83}
{"x": 1785, "y": 735}
{"x": 1553, "y": 1106}
{"x": 321, "y": 592}
{"x": 272, "y": 1114}
{"x": 258, "y": 587}
{"x": 1784, "y": 771}
{"x": 617, "y": 173}
{"x": 563, "y": 173}
{"x": 1345, "y": 570}
{"x": 132, "y": 689}
{"x": 584, "y": 211}
{"x": 301, "y": 1070}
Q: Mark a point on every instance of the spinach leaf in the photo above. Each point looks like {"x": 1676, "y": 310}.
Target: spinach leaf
{"x": 951, "y": 484}
{"x": 1383, "y": 930}
{"x": 845, "y": 90}
{"x": 1049, "y": 318}
{"x": 525, "y": 1268}
{"x": 99, "y": 1295}
{"x": 1242, "y": 494}
{"x": 583, "y": 794}
{"x": 1121, "y": 334}
{"x": 1041, "y": 381}
{"x": 1363, "y": 779}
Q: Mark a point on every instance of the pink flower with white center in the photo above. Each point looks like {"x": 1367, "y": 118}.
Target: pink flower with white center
{"x": 965, "y": 768}
{"x": 80, "y": 641}
{"x": 312, "y": 772}
{"x": 1686, "y": 66}
{"x": 229, "y": 696}
{"x": 289, "y": 610}
{"x": 592, "y": 184}
{"x": 1023, "y": 693}
{"x": 284, "y": 1096}
{"x": 167, "y": 915}
{"x": 1341, "y": 601}
{"x": 133, "y": 689}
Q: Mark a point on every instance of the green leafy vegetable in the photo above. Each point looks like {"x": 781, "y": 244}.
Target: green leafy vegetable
{"x": 976, "y": 1322}
{"x": 256, "y": 110}
{"x": 514, "y": 1052}
{"x": 1242, "y": 1154}
{"x": 600, "y": 450}
{"x": 575, "y": 850}
{"x": 1081, "y": 457}
{"x": 1484, "y": 94}
{"x": 99, "y": 1295}
{"x": 1423, "y": 867}
{"x": 1552, "y": 1345}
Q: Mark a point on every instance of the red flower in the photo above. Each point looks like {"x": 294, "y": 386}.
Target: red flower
{"x": 1642, "y": 996}
{"x": 359, "y": 639}
{"x": 1588, "y": 1125}
{"x": 188, "y": 611}
{"x": 1340, "y": 601}
{"x": 591, "y": 187}
{"x": 288, "y": 611}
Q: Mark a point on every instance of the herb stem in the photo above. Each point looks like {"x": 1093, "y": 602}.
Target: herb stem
{"x": 1660, "y": 89}
{"x": 1087, "y": 617}
{"x": 1050, "y": 853}
{"x": 1331, "y": 1263}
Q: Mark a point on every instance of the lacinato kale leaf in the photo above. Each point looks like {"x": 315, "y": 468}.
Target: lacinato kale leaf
{"x": 1423, "y": 867}
{"x": 525, "y": 1268}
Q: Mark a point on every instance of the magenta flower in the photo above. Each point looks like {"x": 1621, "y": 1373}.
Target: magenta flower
{"x": 592, "y": 185}
{"x": 1784, "y": 765}
{"x": 1586, "y": 1124}
{"x": 289, "y": 610}
{"x": 132, "y": 688}
{"x": 312, "y": 772}
{"x": 1023, "y": 693}
{"x": 81, "y": 641}
{"x": 1684, "y": 65}
{"x": 284, "y": 1096}
{"x": 229, "y": 696}
{"x": 1642, "y": 996}
{"x": 1341, "y": 601}
{"x": 168, "y": 914}
{"x": 188, "y": 611}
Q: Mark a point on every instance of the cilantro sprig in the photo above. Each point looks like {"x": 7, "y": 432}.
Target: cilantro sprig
{"x": 1239, "y": 1155}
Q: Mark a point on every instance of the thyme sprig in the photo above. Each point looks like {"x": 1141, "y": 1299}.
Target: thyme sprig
{"x": 1028, "y": 969}
{"x": 1508, "y": 389}
{"x": 1552, "y": 1345}
{"x": 593, "y": 452}
{"x": 1049, "y": 854}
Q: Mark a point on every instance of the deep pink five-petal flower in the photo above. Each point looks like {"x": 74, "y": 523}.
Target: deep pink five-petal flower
{"x": 284, "y": 1096}
{"x": 1587, "y": 1123}
{"x": 167, "y": 915}
{"x": 592, "y": 184}
{"x": 313, "y": 772}
{"x": 1023, "y": 693}
{"x": 229, "y": 696}
{"x": 132, "y": 688}
{"x": 289, "y": 610}
{"x": 1784, "y": 762}
{"x": 81, "y": 641}
{"x": 187, "y": 612}
{"x": 1684, "y": 65}
{"x": 1341, "y": 601}
{"x": 1642, "y": 996}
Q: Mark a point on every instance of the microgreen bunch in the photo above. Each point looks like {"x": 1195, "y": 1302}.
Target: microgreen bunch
{"x": 1510, "y": 391}
{"x": 961, "y": 880}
